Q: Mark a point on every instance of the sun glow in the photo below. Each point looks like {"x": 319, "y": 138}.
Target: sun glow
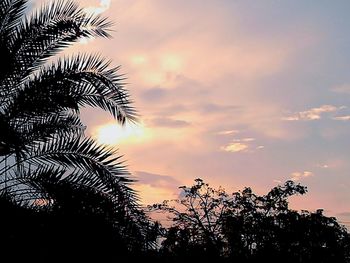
{"x": 172, "y": 62}
{"x": 113, "y": 133}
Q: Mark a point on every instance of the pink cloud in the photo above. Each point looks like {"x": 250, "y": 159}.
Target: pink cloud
{"x": 312, "y": 114}
{"x": 297, "y": 176}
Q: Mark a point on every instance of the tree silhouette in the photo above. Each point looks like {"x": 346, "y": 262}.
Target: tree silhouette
{"x": 210, "y": 224}
{"x": 197, "y": 219}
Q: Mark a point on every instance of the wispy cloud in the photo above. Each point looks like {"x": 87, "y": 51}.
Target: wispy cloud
{"x": 169, "y": 122}
{"x": 344, "y": 88}
{"x": 245, "y": 140}
{"x": 240, "y": 145}
{"x": 209, "y": 108}
{"x": 342, "y": 118}
{"x": 324, "y": 166}
{"x": 154, "y": 94}
{"x": 235, "y": 147}
{"x": 333, "y": 164}
{"x": 312, "y": 114}
{"x": 297, "y": 176}
{"x": 228, "y": 132}
{"x": 344, "y": 218}
{"x": 103, "y": 6}
{"x": 157, "y": 180}
{"x": 155, "y": 187}
{"x": 344, "y": 214}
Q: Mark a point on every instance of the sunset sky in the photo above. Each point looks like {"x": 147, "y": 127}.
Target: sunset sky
{"x": 239, "y": 93}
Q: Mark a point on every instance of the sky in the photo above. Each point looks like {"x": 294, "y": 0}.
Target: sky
{"x": 238, "y": 93}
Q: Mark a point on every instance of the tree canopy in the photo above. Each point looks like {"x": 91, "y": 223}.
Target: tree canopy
{"x": 211, "y": 224}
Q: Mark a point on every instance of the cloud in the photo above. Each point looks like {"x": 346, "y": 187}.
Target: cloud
{"x": 198, "y": 65}
{"x": 240, "y": 145}
{"x": 344, "y": 214}
{"x": 170, "y": 123}
{"x": 324, "y": 166}
{"x": 157, "y": 180}
{"x": 342, "y": 118}
{"x": 102, "y": 7}
{"x": 344, "y": 89}
{"x": 154, "y": 94}
{"x": 333, "y": 164}
{"x": 245, "y": 140}
{"x": 228, "y": 132}
{"x": 216, "y": 108}
{"x": 297, "y": 176}
{"x": 344, "y": 218}
{"x": 312, "y": 114}
{"x": 235, "y": 147}
{"x": 154, "y": 188}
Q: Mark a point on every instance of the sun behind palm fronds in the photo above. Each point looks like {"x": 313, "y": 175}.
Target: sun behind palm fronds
{"x": 41, "y": 131}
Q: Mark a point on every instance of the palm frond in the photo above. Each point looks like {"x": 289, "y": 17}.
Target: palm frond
{"x": 25, "y": 185}
{"x": 88, "y": 161}
{"x": 37, "y": 129}
{"x": 23, "y": 134}
{"x": 49, "y": 30}
{"x": 31, "y": 183}
{"x": 43, "y": 128}
{"x": 11, "y": 12}
{"x": 73, "y": 82}
{"x": 88, "y": 165}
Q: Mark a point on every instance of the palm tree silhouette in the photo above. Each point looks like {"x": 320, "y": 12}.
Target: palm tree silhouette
{"x": 41, "y": 132}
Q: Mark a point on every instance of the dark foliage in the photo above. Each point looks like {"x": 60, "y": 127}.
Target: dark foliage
{"x": 209, "y": 224}
{"x": 62, "y": 196}
{"x": 80, "y": 225}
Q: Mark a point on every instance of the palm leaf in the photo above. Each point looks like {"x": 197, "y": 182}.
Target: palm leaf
{"x": 52, "y": 28}
{"x": 11, "y": 12}
{"x": 23, "y": 134}
{"x": 26, "y": 185}
{"x": 88, "y": 161}
{"x": 70, "y": 83}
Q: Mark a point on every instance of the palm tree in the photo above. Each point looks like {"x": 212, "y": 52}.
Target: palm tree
{"x": 41, "y": 133}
